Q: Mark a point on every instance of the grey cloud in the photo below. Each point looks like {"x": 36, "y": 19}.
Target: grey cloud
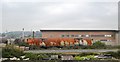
{"x": 0, "y": 16}
{"x": 59, "y": 15}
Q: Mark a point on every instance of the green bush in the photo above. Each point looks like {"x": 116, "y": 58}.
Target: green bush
{"x": 88, "y": 57}
{"x": 33, "y": 56}
{"x": 118, "y": 46}
{"x": 98, "y": 45}
{"x": 86, "y": 54}
{"x": 114, "y": 54}
{"x": 10, "y": 51}
{"x": 77, "y": 58}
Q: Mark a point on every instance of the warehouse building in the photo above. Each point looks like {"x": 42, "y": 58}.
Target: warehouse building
{"x": 109, "y": 37}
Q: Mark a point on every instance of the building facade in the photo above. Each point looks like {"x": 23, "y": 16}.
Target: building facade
{"x": 109, "y": 37}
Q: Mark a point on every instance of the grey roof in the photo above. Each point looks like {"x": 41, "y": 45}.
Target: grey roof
{"x": 108, "y": 29}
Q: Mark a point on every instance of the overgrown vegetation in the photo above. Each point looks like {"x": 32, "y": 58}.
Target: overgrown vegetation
{"x": 20, "y": 42}
{"x": 88, "y": 57}
{"x": 33, "y": 56}
{"x": 10, "y": 51}
{"x": 114, "y": 54}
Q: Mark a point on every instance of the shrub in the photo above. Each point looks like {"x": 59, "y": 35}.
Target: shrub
{"x": 98, "y": 44}
{"x": 88, "y": 57}
{"x": 115, "y": 54}
{"x": 33, "y": 56}
{"x": 9, "y": 51}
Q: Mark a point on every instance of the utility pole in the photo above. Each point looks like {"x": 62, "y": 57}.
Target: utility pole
{"x": 6, "y": 33}
{"x": 23, "y": 34}
{"x": 33, "y": 34}
{"x": 119, "y": 23}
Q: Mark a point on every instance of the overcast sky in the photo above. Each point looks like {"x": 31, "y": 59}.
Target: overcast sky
{"x": 36, "y": 14}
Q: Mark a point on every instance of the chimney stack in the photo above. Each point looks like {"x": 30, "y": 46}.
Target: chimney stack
{"x": 33, "y": 34}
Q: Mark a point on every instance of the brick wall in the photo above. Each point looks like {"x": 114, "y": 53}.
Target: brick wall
{"x": 58, "y": 34}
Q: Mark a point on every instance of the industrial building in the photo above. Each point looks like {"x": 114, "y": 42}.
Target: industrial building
{"x": 108, "y": 36}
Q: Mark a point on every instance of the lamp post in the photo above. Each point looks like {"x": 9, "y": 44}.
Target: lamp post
{"x": 23, "y": 33}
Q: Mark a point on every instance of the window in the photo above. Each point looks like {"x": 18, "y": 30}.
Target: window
{"x": 109, "y": 40}
{"x": 83, "y": 36}
{"x": 108, "y": 35}
{"x": 103, "y": 40}
{"x": 97, "y": 35}
{"x": 87, "y": 35}
{"x": 72, "y": 35}
{"x": 62, "y": 35}
{"x": 51, "y": 35}
{"x": 79, "y": 35}
{"x": 76, "y": 35}
{"x": 67, "y": 35}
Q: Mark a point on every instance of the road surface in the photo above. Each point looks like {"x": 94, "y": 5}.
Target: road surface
{"x": 74, "y": 50}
